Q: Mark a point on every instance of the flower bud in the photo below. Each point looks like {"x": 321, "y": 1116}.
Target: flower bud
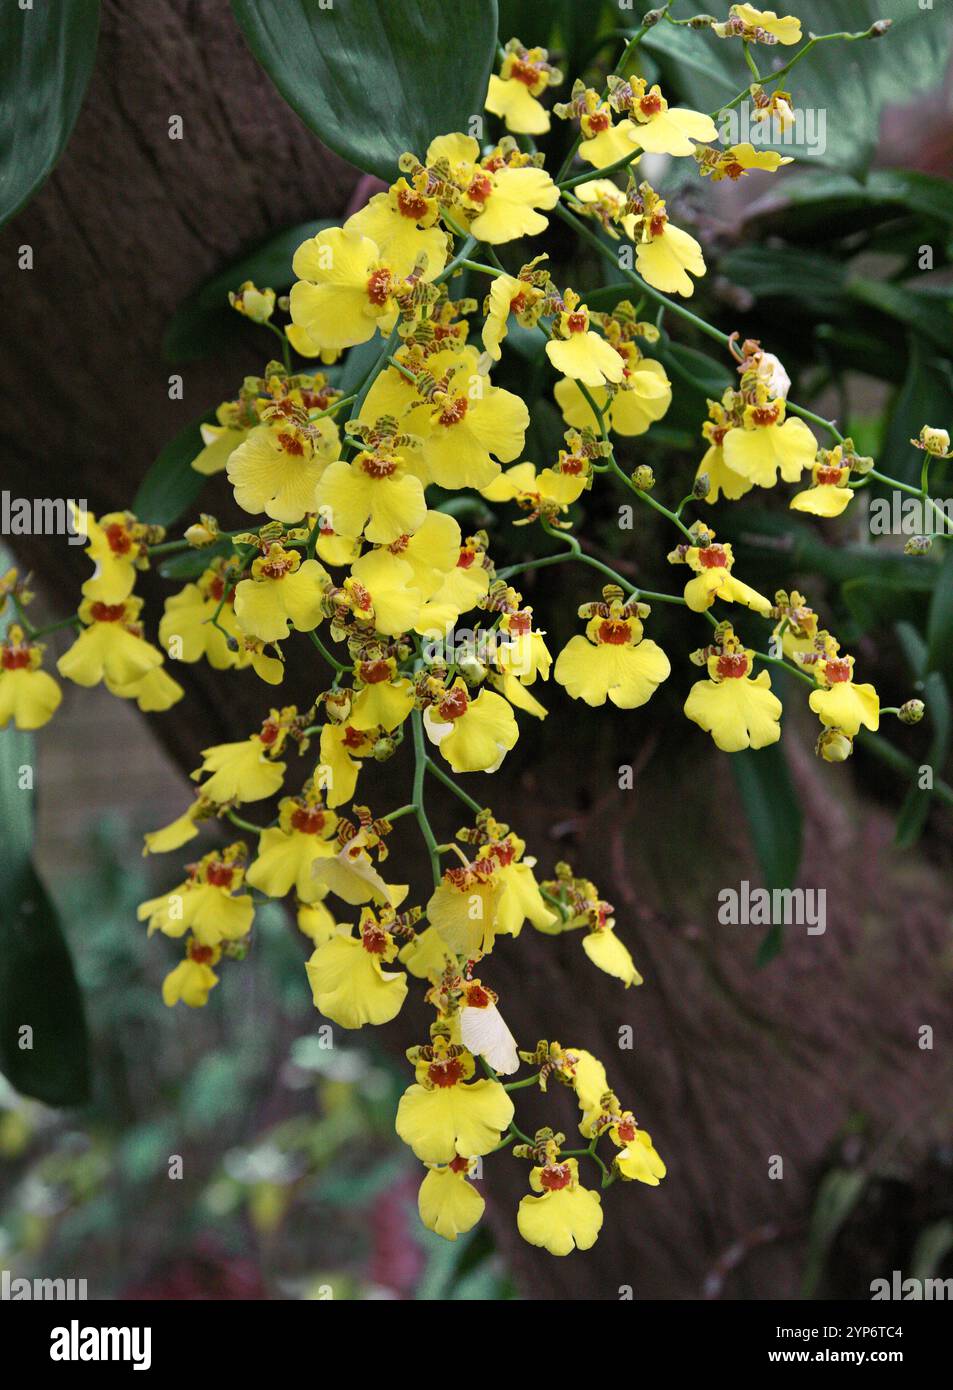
{"x": 383, "y": 749}
{"x": 257, "y": 305}
{"x": 834, "y": 746}
{"x": 701, "y": 21}
{"x": 338, "y": 705}
{"x": 653, "y": 17}
{"x": 701, "y": 486}
{"x": 644, "y": 478}
{"x": 471, "y": 668}
{"x": 936, "y": 442}
{"x": 911, "y": 712}
{"x": 202, "y": 532}
{"x": 879, "y": 28}
{"x": 918, "y": 545}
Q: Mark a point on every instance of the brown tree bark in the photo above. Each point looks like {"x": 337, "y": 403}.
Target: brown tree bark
{"x": 730, "y": 1065}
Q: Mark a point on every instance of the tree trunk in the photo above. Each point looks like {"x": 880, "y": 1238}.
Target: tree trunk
{"x": 731, "y": 1065}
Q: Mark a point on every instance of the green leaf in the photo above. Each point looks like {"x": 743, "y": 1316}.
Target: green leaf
{"x": 925, "y": 314}
{"x": 839, "y": 1193}
{"x": 171, "y": 484}
{"x": 850, "y": 83}
{"x": 912, "y": 816}
{"x": 940, "y": 619}
{"x": 923, "y": 399}
{"x": 46, "y": 57}
{"x": 38, "y": 986}
{"x": 373, "y": 80}
{"x": 205, "y": 322}
{"x": 833, "y": 203}
{"x": 775, "y": 822}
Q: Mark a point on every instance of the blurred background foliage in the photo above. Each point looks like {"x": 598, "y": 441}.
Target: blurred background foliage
{"x": 825, "y": 263}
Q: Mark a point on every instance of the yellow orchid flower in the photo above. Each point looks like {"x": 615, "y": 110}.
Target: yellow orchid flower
{"x": 737, "y": 710}
{"x": 841, "y": 704}
{"x": 110, "y": 646}
{"x": 193, "y": 979}
{"x": 579, "y": 353}
{"x": 28, "y": 695}
{"x": 373, "y": 494}
{"x": 347, "y": 978}
{"x": 828, "y": 494}
{"x": 448, "y": 1202}
{"x": 245, "y": 770}
{"x": 714, "y": 580}
{"x": 286, "y": 852}
{"x": 400, "y": 223}
{"x": 277, "y": 468}
{"x": 524, "y": 76}
{"x": 612, "y": 661}
{"x": 768, "y": 444}
{"x": 566, "y": 1216}
{"x": 445, "y": 1114}
{"x": 345, "y": 290}
{"x": 283, "y": 592}
{"x": 474, "y": 735}
{"x": 643, "y": 396}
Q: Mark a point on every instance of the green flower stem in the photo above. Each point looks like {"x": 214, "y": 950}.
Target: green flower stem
{"x": 332, "y": 661}
{"x": 602, "y": 173}
{"x": 670, "y": 304}
{"x": 794, "y": 670}
{"x": 482, "y": 269}
{"x": 448, "y": 781}
{"x": 774, "y": 77}
{"x": 420, "y": 768}
{"x": 345, "y": 400}
{"x": 627, "y": 52}
{"x": 575, "y": 552}
{"x": 285, "y": 344}
{"x": 244, "y": 824}
{"x": 519, "y": 1085}
{"x": 749, "y": 59}
{"x": 815, "y": 420}
{"x": 648, "y": 498}
{"x": 920, "y": 492}
{"x": 33, "y": 633}
{"x": 404, "y": 371}
{"x": 409, "y": 809}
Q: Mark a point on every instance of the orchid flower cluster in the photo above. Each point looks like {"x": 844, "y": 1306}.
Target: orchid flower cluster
{"x": 346, "y": 550}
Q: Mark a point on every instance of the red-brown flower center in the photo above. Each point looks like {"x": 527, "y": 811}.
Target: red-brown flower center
{"x": 308, "y": 819}
{"x": 615, "y": 631}
{"x": 446, "y": 1073}
{"x": 454, "y": 411}
{"x": 107, "y": 612}
{"x": 120, "y": 541}
{"x": 378, "y": 286}
{"x": 555, "y": 1176}
{"x": 732, "y": 666}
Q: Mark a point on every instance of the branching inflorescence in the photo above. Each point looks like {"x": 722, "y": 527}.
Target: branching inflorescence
{"x": 347, "y": 551}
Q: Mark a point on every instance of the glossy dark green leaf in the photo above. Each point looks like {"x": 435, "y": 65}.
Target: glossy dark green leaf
{"x": 775, "y": 822}
{"x": 46, "y": 57}
{"x": 912, "y": 816}
{"x": 205, "y": 322}
{"x": 373, "y": 80}
{"x": 923, "y": 399}
{"x": 171, "y": 484}
{"x": 928, "y": 315}
{"x": 38, "y": 988}
{"x": 848, "y": 84}
{"x": 940, "y": 618}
